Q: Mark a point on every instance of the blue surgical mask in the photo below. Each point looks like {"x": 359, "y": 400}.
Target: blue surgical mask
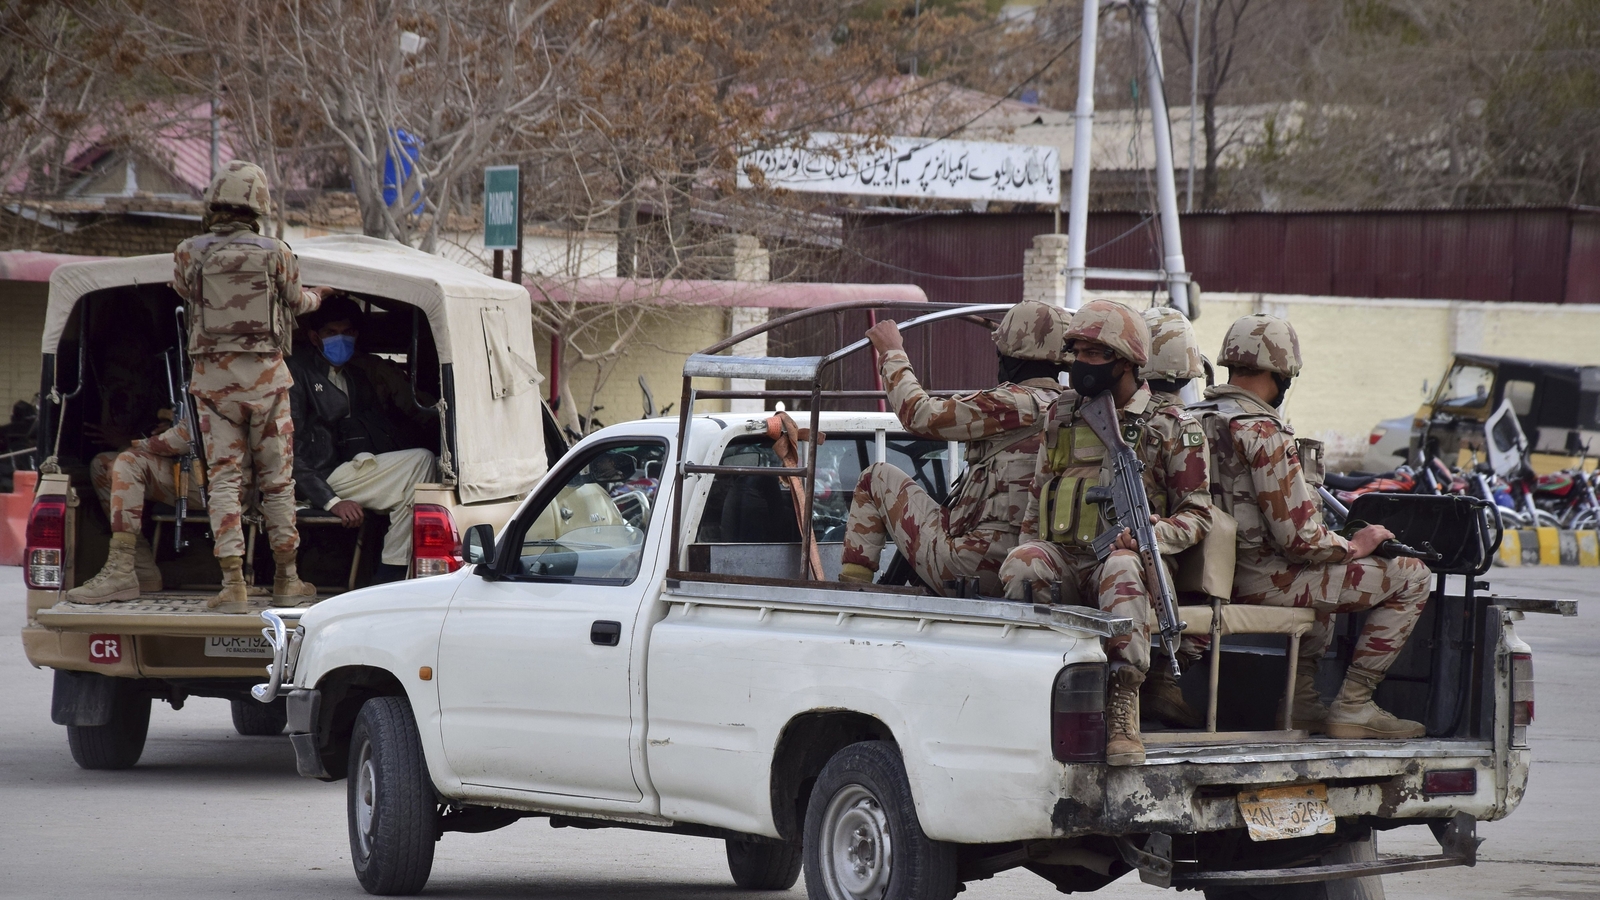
{"x": 338, "y": 348}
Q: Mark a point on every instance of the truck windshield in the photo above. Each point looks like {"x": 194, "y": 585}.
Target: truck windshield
{"x": 594, "y": 526}
{"x": 1467, "y": 386}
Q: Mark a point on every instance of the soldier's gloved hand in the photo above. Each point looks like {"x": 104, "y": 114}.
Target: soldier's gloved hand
{"x": 1367, "y": 540}
{"x": 885, "y": 336}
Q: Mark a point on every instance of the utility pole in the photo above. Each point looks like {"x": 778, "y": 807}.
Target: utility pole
{"x": 1166, "y": 189}
{"x": 1082, "y": 150}
{"x": 1194, "y": 93}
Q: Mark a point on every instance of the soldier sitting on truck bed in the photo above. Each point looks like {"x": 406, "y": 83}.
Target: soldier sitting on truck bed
{"x": 349, "y": 452}
{"x": 1286, "y": 557}
{"x": 123, "y": 482}
{"x": 1001, "y": 427}
{"x": 1109, "y": 342}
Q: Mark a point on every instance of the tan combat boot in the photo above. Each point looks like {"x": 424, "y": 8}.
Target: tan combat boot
{"x": 144, "y": 566}
{"x": 1354, "y": 715}
{"x": 234, "y": 596}
{"x": 1123, "y": 746}
{"x": 287, "y": 588}
{"x": 116, "y": 580}
{"x": 854, "y": 573}
{"x": 1308, "y": 712}
{"x": 1161, "y": 698}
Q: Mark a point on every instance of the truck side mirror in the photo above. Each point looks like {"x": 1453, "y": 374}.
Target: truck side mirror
{"x": 477, "y": 548}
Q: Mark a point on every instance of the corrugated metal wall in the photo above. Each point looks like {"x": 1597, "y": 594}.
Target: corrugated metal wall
{"x": 1546, "y": 255}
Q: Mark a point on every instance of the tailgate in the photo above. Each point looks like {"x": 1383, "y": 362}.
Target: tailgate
{"x": 165, "y": 613}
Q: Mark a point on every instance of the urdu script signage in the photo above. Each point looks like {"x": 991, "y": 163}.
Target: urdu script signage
{"x": 910, "y": 167}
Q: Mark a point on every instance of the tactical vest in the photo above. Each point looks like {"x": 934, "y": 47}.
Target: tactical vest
{"x": 994, "y": 492}
{"x": 1077, "y": 460}
{"x": 235, "y": 307}
{"x": 1232, "y": 489}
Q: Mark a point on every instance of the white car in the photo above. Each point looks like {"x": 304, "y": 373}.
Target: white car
{"x": 893, "y": 743}
{"x": 1388, "y": 445}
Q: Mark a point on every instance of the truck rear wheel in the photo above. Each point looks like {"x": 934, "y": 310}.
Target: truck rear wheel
{"x": 255, "y": 719}
{"x": 763, "y": 867}
{"x": 390, "y": 801}
{"x": 862, "y": 837}
{"x": 119, "y": 743}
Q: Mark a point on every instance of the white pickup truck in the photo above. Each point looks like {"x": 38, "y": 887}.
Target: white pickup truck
{"x": 893, "y": 743}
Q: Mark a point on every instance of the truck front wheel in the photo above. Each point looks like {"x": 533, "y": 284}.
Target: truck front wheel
{"x": 255, "y": 719}
{"x": 119, "y": 743}
{"x": 391, "y": 806}
{"x": 763, "y": 867}
{"x": 862, "y": 837}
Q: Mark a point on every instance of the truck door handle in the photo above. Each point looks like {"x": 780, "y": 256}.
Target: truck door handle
{"x": 606, "y": 634}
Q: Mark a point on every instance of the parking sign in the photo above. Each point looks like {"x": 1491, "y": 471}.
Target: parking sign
{"x": 500, "y": 213}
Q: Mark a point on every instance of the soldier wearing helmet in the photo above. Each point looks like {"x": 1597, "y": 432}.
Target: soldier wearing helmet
{"x": 1001, "y": 427}
{"x": 241, "y": 290}
{"x": 1286, "y": 557}
{"x": 1109, "y": 343}
{"x": 1175, "y": 358}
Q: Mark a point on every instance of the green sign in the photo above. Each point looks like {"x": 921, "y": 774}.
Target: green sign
{"x": 500, "y": 213}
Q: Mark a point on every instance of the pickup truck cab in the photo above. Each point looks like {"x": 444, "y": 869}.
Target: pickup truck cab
{"x": 643, "y": 646}
{"x": 444, "y": 336}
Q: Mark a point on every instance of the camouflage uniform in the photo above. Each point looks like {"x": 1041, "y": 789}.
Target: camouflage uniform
{"x": 1286, "y": 557}
{"x": 1000, "y": 426}
{"x": 1170, "y": 444}
{"x": 125, "y": 480}
{"x": 240, "y": 380}
{"x": 1174, "y": 354}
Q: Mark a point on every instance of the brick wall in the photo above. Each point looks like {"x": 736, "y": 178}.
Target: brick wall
{"x": 104, "y": 235}
{"x": 22, "y": 306}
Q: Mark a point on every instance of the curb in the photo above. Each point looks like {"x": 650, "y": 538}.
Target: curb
{"x": 1549, "y": 547}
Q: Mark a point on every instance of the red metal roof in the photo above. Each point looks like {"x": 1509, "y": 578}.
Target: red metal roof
{"x": 26, "y": 265}
{"x": 689, "y": 292}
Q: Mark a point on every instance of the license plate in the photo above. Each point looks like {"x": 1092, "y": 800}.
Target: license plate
{"x": 1275, "y": 814}
{"x": 250, "y": 647}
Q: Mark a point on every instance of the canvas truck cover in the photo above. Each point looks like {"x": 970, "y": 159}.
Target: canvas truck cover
{"x": 482, "y": 326}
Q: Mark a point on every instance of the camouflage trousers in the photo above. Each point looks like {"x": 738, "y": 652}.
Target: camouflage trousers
{"x": 888, "y": 503}
{"x": 123, "y": 481}
{"x": 1116, "y": 586}
{"x": 260, "y": 435}
{"x": 1392, "y": 591}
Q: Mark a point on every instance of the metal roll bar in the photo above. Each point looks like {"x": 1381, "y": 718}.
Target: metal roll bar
{"x": 710, "y": 363}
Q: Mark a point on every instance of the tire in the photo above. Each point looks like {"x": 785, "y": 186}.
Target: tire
{"x": 118, "y": 744}
{"x": 254, "y": 719}
{"x": 390, "y": 804}
{"x": 862, "y": 837}
{"x": 764, "y": 867}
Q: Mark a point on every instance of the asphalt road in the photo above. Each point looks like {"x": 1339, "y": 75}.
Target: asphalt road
{"x": 208, "y": 813}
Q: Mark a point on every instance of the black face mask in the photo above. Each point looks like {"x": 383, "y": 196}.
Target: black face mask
{"x": 1015, "y": 370}
{"x": 1093, "y": 379}
{"x": 1283, "y": 382}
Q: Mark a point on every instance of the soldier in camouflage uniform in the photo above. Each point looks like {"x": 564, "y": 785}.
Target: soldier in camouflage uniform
{"x": 1175, "y": 359}
{"x": 123, "y": 481}
{"x": 242, "y": 290}
{"x": 1110, "y": 342}
{"x": 1286, "y": 556}
{"x": 1001, "y": 427}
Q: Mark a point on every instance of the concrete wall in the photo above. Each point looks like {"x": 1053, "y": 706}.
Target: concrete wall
{"x": 22, "y": 306}
{"x": 1370, "y": 360}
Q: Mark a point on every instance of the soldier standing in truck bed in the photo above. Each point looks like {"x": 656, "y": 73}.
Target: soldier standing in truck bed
{"x": 1001, "y": 427}
{"x": 1286, "y": 556}
{"x": 242, "y": 292}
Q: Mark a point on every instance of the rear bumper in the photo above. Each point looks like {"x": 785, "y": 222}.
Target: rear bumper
{"x": 1179, "y": 791}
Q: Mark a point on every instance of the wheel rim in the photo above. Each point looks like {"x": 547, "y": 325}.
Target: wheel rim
{"x": 857, "y": 855}
{"x": 366, "y": 798}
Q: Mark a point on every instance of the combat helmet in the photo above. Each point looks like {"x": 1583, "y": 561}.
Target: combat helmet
{"x": 241, "y": 185}
{"x": 1174, "y": 352}
{"x": 1262, "y": 342}
{"x": 1110, "y": 323}
{"x": 1033, "y": 330}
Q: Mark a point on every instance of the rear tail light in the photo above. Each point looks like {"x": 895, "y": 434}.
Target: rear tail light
{"x": 1446, "y": 782}
{"x": 1376, "y": 435}
{"x": 1078, "y": 714}
{"x": 1521, "y": 697}
{"x": 47, "y": 543}
{"x": 435, "y": 542}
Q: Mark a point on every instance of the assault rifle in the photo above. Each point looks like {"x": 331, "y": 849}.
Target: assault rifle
{"x": 1125, "y": 506}
{"x": 190, "y": 465}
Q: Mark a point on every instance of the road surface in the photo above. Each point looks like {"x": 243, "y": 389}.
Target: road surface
{"x": 208, "y": 813}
